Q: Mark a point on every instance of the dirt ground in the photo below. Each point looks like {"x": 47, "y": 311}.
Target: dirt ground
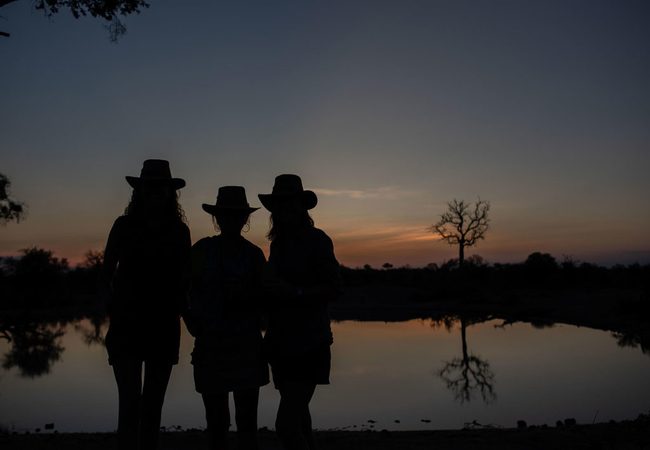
{"x": 619, "y": 436}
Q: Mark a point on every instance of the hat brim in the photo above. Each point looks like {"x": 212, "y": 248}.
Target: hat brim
{"x": 309, "y": 199}
{"x": 136, "y": 182}
{"x": 214, "y": 209}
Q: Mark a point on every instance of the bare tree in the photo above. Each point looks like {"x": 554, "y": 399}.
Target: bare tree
{"x": 463, "y": 226}
{"x": 469, "y": 374}
{"x": 9, "y": 209}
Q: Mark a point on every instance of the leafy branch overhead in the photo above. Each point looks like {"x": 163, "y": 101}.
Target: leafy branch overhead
{"x": 109, "y": 10}
{"x": 10, "y": 209}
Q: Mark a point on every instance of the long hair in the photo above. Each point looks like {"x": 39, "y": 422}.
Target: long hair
{"x": 172, "y": 207}
{"x": 277, "y": 230}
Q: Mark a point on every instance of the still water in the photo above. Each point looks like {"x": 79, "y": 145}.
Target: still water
{"x": 409, "y": 375}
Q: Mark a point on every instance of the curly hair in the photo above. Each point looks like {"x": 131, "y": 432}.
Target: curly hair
{"x": 172, "y": 207}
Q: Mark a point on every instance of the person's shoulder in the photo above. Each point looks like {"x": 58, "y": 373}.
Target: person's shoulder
{"x": 252, "y": 248}
{"x": 319, "y": 236}
{"x": 123, "y": 222}
{"x": 249, "y": 245}
{"x": 204, "y": 242}
{"x": 178, "y": 224}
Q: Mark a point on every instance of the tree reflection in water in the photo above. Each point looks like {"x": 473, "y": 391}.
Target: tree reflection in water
{"x": 469, "y": 374}
{"x": 35, "y": 347}
{"x": 36, "y": 344}
{"x": 95, "y": 335}
{"x": 633, "y": 340}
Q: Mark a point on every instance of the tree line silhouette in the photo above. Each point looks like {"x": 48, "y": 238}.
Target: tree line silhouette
{"x": 38, "y": 279}
{"x": 540, "y": 271}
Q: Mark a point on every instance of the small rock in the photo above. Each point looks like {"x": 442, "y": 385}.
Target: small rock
{"x": 397, "y": 421}
{"x": 372, "y": 421}
{"x": 425, "y": 421}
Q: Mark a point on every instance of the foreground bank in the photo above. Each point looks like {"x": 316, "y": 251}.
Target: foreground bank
{"x": 616, "y": 436}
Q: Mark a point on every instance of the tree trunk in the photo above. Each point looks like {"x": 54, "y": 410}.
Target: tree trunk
{"x": 461, "y": 255}
{"x": 463, "y": 335}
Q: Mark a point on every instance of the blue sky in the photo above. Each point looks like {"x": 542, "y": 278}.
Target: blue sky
{"x": 387, "y": 109}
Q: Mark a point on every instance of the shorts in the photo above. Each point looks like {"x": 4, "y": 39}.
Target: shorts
{"x": 309, "y": 367}
{"x": 229, "y": 363}
{"x": 145, "y": 340}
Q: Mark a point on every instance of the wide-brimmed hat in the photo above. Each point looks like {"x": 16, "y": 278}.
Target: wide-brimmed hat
{"x": 156, "y": 170}
{"x": 230, "y": 199}
{"x": 286, "y": 185}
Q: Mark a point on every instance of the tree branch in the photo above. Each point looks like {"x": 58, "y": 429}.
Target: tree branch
{"x": 468, "y": 226}
{"x": 6, "y": 2}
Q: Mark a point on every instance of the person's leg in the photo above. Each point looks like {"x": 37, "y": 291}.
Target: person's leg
{"x": 293, "y": 417}
{"x": 156, "y": 378}
{"x": 128, "y": 375}
{"x": 217, "y": 416}
{"x": 307, "y": 431}
{"x": 246, "y": 418}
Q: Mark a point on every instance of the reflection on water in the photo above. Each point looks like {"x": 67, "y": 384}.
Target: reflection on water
{"x": 34, "y": 348}
{"x": 420, "y": 374}
{"x": 632, "y": 340}
{"x": 468, "y": 374}
{"x": 95, "y": 333}
{"x": 36, "y": 345}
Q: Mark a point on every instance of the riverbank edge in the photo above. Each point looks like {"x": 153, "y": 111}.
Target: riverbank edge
{"x": 616, "y": 310}
{"x": 624, "y": 311}
{"x": 618, "y": 436}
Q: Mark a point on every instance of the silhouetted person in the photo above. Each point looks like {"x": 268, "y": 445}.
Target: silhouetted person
{"x": 298, "y": 336}
{"x": 225, "y": 319}
{"x": 144, "y": 283}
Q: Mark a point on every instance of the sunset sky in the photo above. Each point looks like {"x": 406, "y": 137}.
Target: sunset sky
{"x": 386, "y": 109}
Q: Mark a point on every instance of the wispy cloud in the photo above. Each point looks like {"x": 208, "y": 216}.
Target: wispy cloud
{"x": 390, "y": 192}
{"x": 385, "y": 236}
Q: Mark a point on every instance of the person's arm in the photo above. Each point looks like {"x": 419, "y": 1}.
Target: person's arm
{"x": 328, "y": 286}
{"x": 111, "y": 258}
{"x": 328, "y": 281}
{"x": 196, "y": 266}
{"x": 185, "y": 270}
{"x": 259, "y": 267}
